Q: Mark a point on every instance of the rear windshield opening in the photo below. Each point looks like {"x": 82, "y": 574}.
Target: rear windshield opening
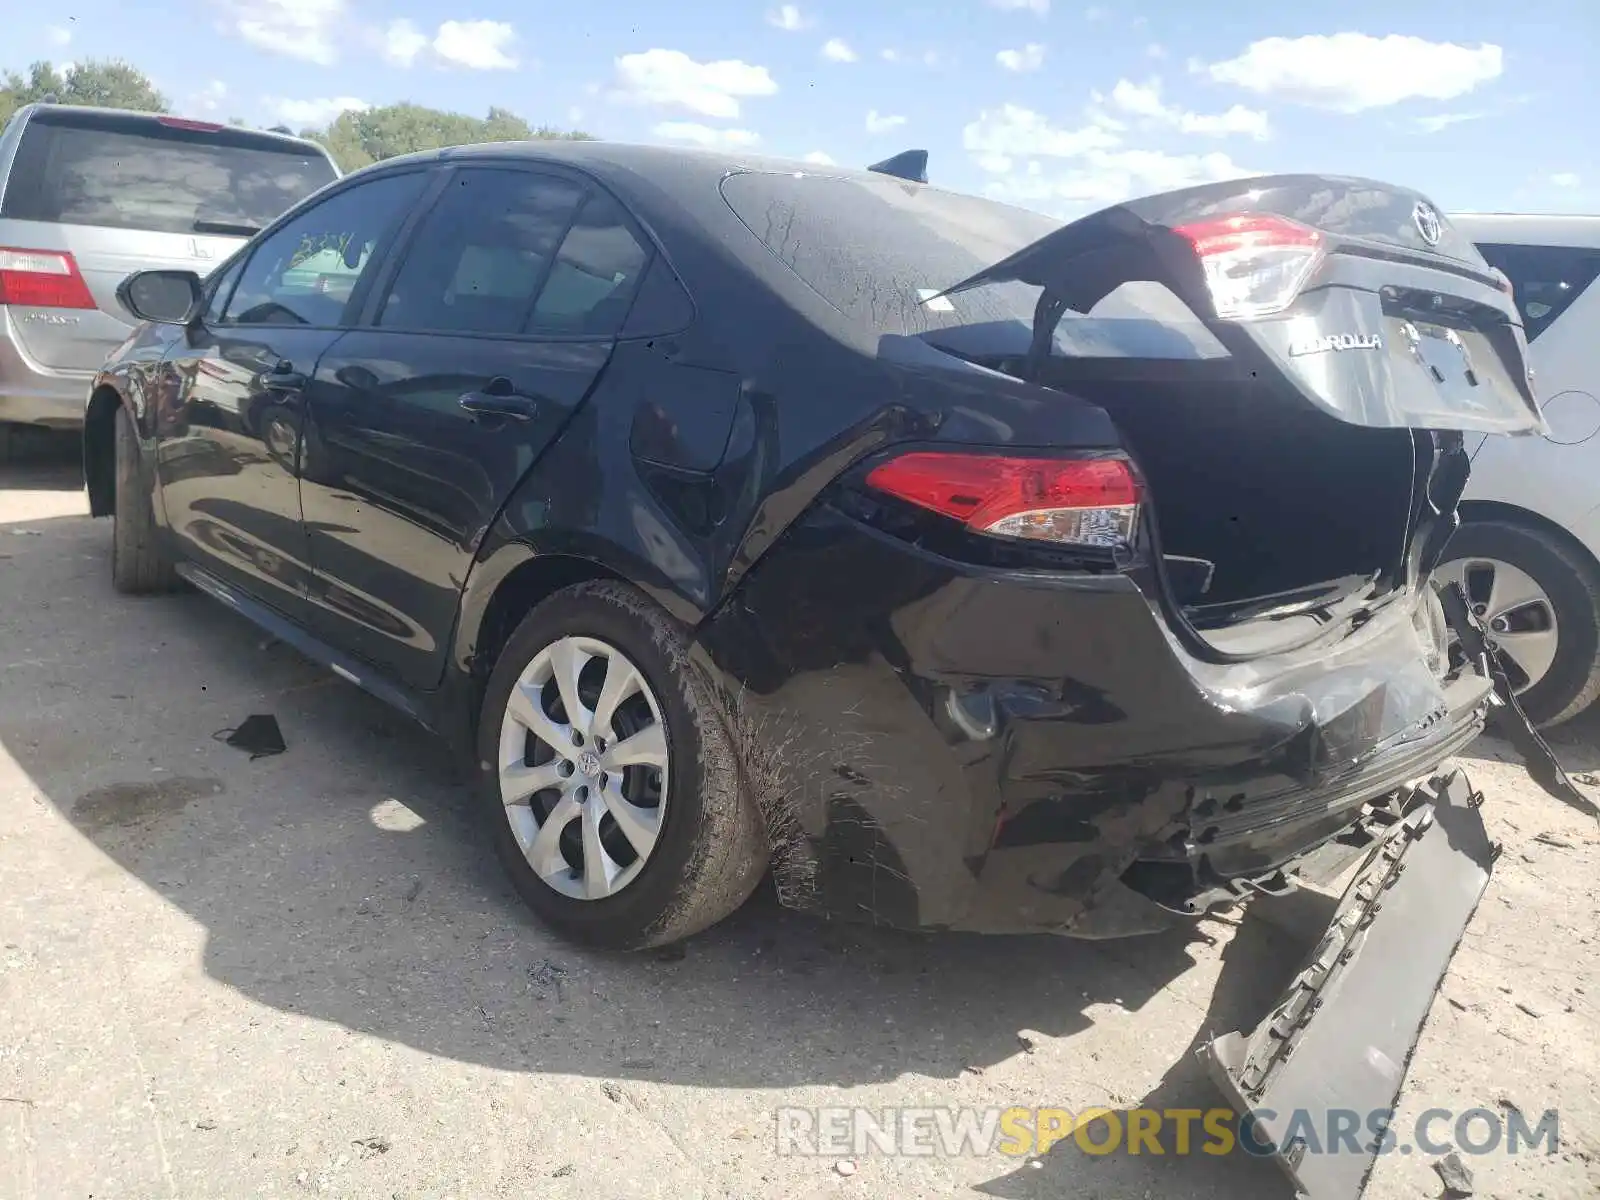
{"x": 121, "y": 171}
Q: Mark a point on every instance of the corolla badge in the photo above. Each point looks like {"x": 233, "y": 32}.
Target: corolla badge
{"x": 1428, "y": 222}
{"x": 1335, "y": 341}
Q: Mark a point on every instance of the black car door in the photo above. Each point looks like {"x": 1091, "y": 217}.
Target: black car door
{"x": 486, "y": 334}
{"x": 228, "y": 429}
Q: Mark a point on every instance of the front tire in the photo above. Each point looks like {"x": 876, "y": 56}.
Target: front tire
{"x": 608, "y": 778}
{"x": 139, "y": 563}
{"x": 1540, "y": 599}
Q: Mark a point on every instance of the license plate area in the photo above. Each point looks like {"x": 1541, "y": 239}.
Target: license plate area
{"x": 1456, "y": 366}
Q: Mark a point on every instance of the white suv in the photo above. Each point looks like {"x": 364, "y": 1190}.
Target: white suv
{"x": 1528, "y": 550}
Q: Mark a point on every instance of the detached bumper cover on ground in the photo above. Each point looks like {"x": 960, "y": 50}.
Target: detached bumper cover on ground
{"x": 1337, "y": 1044}
{"x": 1339, "y": 1040}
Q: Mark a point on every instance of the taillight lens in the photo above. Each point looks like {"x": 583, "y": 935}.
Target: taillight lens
{"x": 1068, "y": 501}
{"x": 42, "y": 279}
{"x": 1255, "y": 263}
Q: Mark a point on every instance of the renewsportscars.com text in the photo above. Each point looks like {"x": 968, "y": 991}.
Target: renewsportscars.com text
{"x": 846, "y": 1132}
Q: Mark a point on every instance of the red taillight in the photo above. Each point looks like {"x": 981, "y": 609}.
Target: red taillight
{"x": 1075, "y": 501}
{"x": 42, "y": 279}
{"x": 186, "y": 123}
{"x": 1255, "y": 263}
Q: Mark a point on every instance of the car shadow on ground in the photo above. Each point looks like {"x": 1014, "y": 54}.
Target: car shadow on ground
{"x": 346, "y": 880}
{"x": 43, "y": 460}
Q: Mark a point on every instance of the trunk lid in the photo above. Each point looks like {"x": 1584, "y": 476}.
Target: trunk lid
{"x": 1360, "y": 296}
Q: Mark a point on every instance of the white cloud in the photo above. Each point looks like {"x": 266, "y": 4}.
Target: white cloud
{"x": 302, "y": 29}
{"x": 209, "y": 98}
{"x": 1009, "y": 132}
{"x": 705, "y": 135}
{"x": 1156, "y": 51}
{"x": 1029, "y": 58}
{"x": 1041, "y": 7}
{"x": 58, "y": 35}
{"x": 788, "y": 18}
{"x": 1352, "y": 72}
{"x": 672, "y": 78}
{"x": 1094, "y": 14}
{"x": 1440, "y": 121}
{"x": 880, "y": 123}
{"x": 299, "y": 114}
{"x": 402, "y": 42}
{"x": 1565, "y": 179}
{"x": 1144, "y": 100}
{"x": 476, "y": 45}
{"x": 838, "y": 50}
{"x": 820, "y": 159}
{"x": 1105, "y": 177}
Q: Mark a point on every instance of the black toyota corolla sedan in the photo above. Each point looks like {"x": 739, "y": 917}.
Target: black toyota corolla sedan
{"x": 969, "y": 570}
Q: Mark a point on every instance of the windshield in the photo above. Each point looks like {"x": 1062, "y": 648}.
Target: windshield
{"x": 875, "y": 248}
{"x": 134, "y": 172}
{"x": 878, "y": 250}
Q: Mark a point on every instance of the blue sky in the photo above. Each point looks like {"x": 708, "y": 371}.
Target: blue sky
{"x": 1057, "y": 105}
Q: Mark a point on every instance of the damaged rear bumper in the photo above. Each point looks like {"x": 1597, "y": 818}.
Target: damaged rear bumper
{"x": 942, "y": 746}
{"x": 1333, "y": 1052}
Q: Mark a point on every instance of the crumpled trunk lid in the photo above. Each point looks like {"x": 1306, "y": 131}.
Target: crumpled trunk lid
{"x": 1396, "y": 320}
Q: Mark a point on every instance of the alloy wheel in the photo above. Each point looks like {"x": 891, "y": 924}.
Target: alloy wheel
{"x": 583, "y": 767}
{"x": 1516, "y": 611}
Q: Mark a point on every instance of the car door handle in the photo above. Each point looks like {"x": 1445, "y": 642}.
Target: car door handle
{"x": 497, "y": 399}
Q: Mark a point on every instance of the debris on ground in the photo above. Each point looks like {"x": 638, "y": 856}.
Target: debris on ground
{"x": 845, "y": 1167}
{"x": 1454, "y": 1175}
{"x": 562, "y": 1172}
{"x": 257, "y": 735}
{"x": 547, "y": 976}
{"x": 371, "y": 1147}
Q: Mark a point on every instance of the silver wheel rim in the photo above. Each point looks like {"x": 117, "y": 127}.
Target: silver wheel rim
{"x": 583, "y": 767}
{"x": 1518, "y": 613}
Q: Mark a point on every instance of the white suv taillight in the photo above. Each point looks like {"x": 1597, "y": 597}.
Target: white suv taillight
{"x": 42, "y": 279}
{"x": 1069, "y": 501}
{"x": 1255, "y": 263}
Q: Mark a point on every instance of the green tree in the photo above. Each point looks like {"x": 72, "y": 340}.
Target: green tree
{"x": 356, "y": 139}
{"x": 108, "y": 83}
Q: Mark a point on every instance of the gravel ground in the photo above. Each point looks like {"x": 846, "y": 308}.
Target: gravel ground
{"x": 304, "y": 975}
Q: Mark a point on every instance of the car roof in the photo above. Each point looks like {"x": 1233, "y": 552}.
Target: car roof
{"x": 131, "y": 115}
{"x": 660, "y": 162}
{"x": 1531, "y": 229}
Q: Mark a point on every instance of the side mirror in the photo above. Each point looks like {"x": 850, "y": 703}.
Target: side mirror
{"x": 165, "y": 297}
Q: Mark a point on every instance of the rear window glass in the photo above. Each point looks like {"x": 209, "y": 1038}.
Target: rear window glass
{"x": 1545, "y": 280}
{"x": 136, "y": 173}
{"x": 877, "y": 249}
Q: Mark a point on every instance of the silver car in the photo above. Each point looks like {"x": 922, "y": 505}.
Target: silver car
{"x": 90, "y": 195}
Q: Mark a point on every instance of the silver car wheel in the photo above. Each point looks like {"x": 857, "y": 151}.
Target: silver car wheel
{"x": 1518, "y": 613}
{"x": 583, "y": 767}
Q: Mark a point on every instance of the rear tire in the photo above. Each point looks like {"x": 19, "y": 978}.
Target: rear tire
{"x": 139, "y": 563}
{"x": 709, "y": 849}
{"x": 1571, "y": 584}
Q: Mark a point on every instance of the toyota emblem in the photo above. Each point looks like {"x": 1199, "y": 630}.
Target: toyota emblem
{"x": 1428, "y": 223}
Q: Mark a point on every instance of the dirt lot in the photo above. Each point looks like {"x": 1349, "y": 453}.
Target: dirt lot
{"x": 303, "y": 974}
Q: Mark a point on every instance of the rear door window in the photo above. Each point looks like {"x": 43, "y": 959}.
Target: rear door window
{"x": 477, "y": 260}
{"x": 595, "y": 273}
{"x": 306, "y": 270}
{"x": 122, "y": 171}
{"x": 1545, "y": 280}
